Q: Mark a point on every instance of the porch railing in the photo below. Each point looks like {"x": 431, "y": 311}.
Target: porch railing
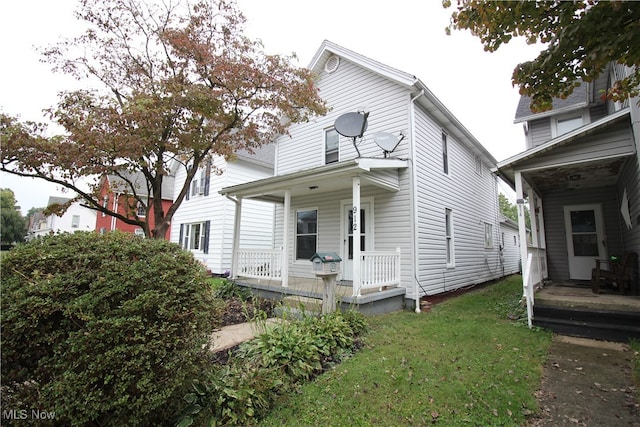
{"x": 534, "y": 273}
{"x": 379, "y": 268}
{"x": 260, "y": 263}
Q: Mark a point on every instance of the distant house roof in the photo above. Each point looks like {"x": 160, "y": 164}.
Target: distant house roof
{"x": 137, "y": 179}
{"x": 54, "y": 200}
{"x": 579, "y": 98}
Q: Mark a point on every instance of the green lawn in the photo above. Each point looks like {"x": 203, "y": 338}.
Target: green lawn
{"x": 463, "y": 363}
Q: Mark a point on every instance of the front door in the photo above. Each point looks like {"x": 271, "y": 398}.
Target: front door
{"x": 585, "y": 239}
{"x": 364, "y": 226}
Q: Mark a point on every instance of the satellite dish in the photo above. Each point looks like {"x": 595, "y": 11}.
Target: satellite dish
{"x": 387, "y": 141}
{"x": 351, "y": 125}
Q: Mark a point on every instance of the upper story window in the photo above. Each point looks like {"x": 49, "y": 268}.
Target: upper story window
{"x": 478, "y": 165}
{"x": 75, "y": 221}
{"x": 567, "y": 123}
{"x": 445, "y": 154}
{"x": 105, "y": 200}
{"x": 331, "y": 146}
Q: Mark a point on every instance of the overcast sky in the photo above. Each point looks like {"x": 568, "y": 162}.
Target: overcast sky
{"x": 405, "y": 34}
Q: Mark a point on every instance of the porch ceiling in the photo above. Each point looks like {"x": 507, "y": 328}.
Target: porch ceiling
{"x": 593, "y": 174}
{"x": 381, "y": 173}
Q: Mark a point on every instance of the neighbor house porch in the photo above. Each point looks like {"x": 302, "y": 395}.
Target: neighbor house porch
{"x": 576, "y": 195}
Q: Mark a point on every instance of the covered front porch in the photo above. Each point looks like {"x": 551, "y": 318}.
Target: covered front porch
{"x": 331, "y": 208}
{"x": 576, "y": 196}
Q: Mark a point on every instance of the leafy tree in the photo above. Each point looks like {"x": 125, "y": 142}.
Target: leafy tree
{"x": 511, "y": 211}
{"x": 580, "y": 37}
{"x": 177, "y": 83}
{"x": 12, "y": 224}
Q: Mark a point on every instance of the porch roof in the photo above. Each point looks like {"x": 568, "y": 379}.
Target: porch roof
{"x": 563, "y": 163}
{"x": 379, "y": 172}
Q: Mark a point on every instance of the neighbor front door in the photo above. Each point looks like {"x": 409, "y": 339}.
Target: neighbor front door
{"x": 585, "y": 239}
{"x": 364, "y": 226}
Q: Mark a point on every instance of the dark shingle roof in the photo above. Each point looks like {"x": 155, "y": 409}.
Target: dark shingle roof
{"x": 579, "y": 97}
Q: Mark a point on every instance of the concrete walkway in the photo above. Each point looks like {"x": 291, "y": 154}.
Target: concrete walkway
{"x": 232, "y": 335}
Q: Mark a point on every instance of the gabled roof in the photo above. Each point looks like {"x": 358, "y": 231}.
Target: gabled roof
{"x": 425, "y": 97}
{"x": 579, "y": 98}
{"x": 119, "y": 185}
{"x": 55, "y": 200}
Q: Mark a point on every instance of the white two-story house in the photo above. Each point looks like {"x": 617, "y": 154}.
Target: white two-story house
{"x": 408, "y": 203}
{"x": 204, "y": 222}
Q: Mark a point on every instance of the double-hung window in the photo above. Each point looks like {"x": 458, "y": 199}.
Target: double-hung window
{"x": 141, "y": 210}
{"x": 331, "y": 146}
{"x": 448, "y": 223}
{"x": 306, "y": 233}
{"x": 488, "y": 235}
{"x": 445, "y": 154}
{"x": 75, "y": 221}
{"x": 194, "y": 236}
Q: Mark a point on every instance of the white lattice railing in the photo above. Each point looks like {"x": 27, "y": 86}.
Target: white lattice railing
{"x": 378, "y": 269}
{"x": 260, "y": 263}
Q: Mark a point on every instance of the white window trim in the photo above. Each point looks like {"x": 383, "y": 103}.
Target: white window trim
{"x": 324, "y": 145}
{"x": 488, "y": 236}
{"x": 449, "y": 238}
{"x": 297, "y": 260}
{"x": 186, "y": 238}
{"x": 554, "y": 120}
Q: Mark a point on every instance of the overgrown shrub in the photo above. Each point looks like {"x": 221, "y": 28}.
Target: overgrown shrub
{"x": 102, "y": 330}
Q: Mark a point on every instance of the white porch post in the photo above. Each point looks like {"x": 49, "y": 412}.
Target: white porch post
{"x": 357, "y": 262}
{"x": 235, "y": 245}
{"x": 285, "y": 239}
{"x": 524, "y": 252}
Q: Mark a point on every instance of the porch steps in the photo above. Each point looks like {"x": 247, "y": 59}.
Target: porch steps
{"x": 610, "y": 325}
{"x": 297, "y": 306}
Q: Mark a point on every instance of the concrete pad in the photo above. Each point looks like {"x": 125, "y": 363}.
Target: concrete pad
{"x": 232, "y": 335}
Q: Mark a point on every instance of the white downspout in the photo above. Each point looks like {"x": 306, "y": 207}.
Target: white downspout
{"x": 413, "y": 197}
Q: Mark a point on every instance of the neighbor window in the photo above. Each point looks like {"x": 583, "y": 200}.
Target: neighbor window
{"x": 306, "y": 233}
{"x": 75, "y": 221}
{"x": 566, "y": 124}
{"x": 488, "y": 235}
{"x": 105, "y": 200}
{"x": 331, "y": 146}
{"x": 478, "y": 165}
{"x": 445, "y": 154}
{"x": 141, "y": 209}
{"x": 193, "y": 237}
{"x": 139, "y": 232}
{"x": 448, "y": 222}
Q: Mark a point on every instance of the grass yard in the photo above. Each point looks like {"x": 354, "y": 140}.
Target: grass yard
{"x": 463, "y": 363}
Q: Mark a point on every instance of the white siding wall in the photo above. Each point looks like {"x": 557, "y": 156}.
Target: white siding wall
{"x": 473, "y": 199}
{"x": 64, "y": 224}
{"x": 257, "y": 217}
{"x": 348, "y": 89}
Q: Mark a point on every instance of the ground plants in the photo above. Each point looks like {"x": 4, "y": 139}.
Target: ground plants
{"x": 281, "y": 358}
{"x": 470, "y": 360}
{"x": 103, "y": 329}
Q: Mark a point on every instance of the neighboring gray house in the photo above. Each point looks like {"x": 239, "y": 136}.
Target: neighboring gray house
{"x": 509, "y": 246}
{"x": 204, "y": 222}
{"x": 421, "y": 217}
{"x": 580, "y": 179}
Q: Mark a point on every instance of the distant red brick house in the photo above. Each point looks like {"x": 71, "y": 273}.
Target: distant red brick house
{"x": 116, "y": 194}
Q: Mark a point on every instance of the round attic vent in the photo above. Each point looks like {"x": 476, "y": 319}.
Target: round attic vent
{"x": 332, "y": 64}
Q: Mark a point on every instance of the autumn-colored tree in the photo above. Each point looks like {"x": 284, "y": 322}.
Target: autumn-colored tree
{"x": 580, "y": 39}
{"x": 174, "y": 84}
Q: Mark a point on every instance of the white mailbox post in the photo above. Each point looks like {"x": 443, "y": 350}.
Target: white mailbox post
{"x": 327, "y": 266}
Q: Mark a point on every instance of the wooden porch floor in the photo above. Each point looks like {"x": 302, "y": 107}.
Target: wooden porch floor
{"x": 580, "y": 295}
{"x": 371, "y": 301}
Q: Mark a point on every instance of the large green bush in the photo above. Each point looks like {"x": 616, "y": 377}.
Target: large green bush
{"x": 102, "y": 330}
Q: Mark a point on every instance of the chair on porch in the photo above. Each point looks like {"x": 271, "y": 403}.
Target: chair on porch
{"x": 616, "y": 274}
